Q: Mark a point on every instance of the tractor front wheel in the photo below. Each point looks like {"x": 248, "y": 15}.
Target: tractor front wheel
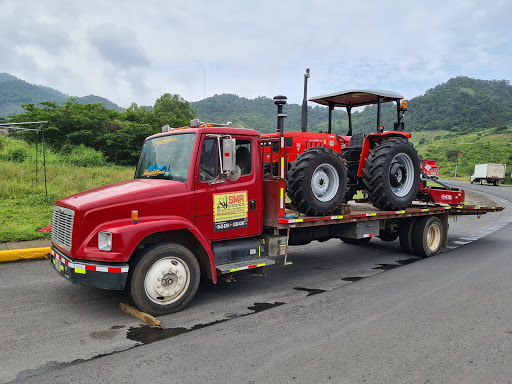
{"x": 317, "y": 182}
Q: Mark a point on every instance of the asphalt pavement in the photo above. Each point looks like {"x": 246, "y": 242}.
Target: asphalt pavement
{"x": 341, "y": 313}
{"x": 444, "y": 319}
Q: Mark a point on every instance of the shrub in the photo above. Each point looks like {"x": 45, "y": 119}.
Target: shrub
{"x": 86, "y": 157}
{"x": 17, "y": 153}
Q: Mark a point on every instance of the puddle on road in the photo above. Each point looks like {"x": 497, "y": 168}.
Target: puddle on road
{"x": 310, "y": 291}
{"x": 387, "y": 267}
{"x": 147, "y": 335}
{"x": 352, "y": 279}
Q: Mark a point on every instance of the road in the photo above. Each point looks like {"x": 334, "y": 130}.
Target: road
{"x": 340, "y": 313}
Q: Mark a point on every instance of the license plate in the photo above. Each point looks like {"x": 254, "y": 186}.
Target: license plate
{"x": 57, "y": 265}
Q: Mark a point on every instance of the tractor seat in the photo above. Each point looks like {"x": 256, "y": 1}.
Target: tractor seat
{"x": 356, "y": 141}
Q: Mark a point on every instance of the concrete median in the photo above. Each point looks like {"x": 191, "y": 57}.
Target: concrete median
{"x": 24, "y": 254}
{"x": 25, "y": 250}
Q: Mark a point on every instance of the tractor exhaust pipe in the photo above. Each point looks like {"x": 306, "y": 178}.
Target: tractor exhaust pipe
{"x": 280, "y": 101}
{"x": 304, "y": 119}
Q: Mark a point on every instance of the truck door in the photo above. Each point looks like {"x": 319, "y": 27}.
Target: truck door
{"x": 227, "y": 209}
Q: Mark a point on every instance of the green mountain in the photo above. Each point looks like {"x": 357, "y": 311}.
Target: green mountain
{"x": 92, "y": 99}
{"x": 260, "y": 113}
{"x": 462, "y": 104}
{"x": 14, "y": 92}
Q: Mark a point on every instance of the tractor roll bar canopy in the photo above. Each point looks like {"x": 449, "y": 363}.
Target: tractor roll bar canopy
{"x": 359, "y": 98}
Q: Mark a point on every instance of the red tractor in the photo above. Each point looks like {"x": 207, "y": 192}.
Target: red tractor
{"x": 327, "y": 169}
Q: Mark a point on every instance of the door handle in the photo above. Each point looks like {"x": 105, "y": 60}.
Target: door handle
{"x": 252, "y": 205}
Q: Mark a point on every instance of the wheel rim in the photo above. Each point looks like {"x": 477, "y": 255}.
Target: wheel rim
{"x": 401, "y": 174}
{"x": 434, "y": 237}
{"x": 167, "y": 280}
{"x": 325, "y": 182}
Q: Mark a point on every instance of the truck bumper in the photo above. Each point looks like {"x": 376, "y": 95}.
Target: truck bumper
{"x": 99, "y": 275}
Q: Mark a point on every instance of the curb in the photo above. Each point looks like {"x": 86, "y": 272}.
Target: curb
{"x": 25, "y": 254}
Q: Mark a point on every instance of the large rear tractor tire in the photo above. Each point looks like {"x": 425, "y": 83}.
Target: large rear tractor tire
{"x": 163, "y": 279}
{"x": 392, "y": 174}
{"x": 317, "y": 182}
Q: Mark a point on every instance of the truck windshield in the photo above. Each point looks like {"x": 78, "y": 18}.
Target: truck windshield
{"x": 166, "y": 157}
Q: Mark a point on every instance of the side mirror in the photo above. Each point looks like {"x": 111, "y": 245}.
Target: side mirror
{"x": 229, "y": 167}
{"x": 228, "y": 158}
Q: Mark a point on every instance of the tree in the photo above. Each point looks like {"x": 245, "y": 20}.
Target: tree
{"x": 173, "y": 110}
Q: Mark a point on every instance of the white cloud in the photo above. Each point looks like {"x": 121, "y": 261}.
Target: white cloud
{"x": 135, "y": 51}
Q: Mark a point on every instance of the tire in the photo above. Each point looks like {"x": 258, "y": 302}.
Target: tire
{"x": 392, "y": 174}
{"x": 406, "y": 235}
{"x": 317, "y": 182}
{"x": 362, "y": 241}
{"x": 428, "y": 236}
{"x": 164, "y": 279}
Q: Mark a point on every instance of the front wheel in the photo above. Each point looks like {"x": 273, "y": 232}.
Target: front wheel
{"x": 317, "y": 182}
{"x": 392, "y": 174}
{"x": 164, "y": 279}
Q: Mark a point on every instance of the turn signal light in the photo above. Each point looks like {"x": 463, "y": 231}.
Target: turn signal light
{"x": 135, "y": 217}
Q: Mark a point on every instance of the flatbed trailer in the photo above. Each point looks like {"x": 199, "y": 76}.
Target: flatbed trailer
{"x": 155, "y": 236}
{"x": 357, "y": 222}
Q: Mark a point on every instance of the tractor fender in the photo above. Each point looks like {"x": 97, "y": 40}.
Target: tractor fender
{"x": 126, "y": 236}
{"x": 373, "y": 138}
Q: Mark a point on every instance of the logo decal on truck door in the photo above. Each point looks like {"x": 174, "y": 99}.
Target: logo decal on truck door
{"x": 229, "y": 211}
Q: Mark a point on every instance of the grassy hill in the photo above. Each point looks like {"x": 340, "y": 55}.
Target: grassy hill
{"x": 451, "y": 149}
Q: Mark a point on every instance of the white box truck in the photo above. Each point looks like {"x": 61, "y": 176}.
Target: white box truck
{"x": 490, "y": 173}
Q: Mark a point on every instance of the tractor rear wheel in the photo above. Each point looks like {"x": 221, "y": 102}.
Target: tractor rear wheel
{"x": 392, "y": 174}
{"x": 317, "y": 182}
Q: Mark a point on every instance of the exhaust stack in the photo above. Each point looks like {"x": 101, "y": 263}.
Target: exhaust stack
{"x": 280, "y": 101}
{"x": 304, "y": 119}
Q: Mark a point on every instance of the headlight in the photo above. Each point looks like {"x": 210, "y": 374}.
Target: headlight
{"x": 105, "y": 241}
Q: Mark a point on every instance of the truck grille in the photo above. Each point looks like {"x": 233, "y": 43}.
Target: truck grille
{"x": 62, "y": 226}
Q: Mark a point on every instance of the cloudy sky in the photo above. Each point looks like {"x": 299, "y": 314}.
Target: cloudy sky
{"x": 134, "y": 51}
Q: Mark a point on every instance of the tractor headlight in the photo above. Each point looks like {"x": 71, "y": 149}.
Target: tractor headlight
{"x": 105, "y": 241}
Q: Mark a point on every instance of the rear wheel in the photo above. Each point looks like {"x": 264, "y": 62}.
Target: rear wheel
{"x": 428, "y": 236}
{"x": 406, "y": 235}
{"x": 392, "y": 174}
{"x": 317, "y": 182}
{"x": 164, "y": 279}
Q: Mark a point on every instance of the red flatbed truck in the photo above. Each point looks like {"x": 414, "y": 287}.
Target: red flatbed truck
{"x": 201, "y": 204}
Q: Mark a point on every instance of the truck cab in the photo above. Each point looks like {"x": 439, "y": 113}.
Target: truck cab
{"x": 193, "y": 188}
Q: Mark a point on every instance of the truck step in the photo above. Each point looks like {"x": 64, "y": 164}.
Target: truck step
{"x": 243, "y": 265}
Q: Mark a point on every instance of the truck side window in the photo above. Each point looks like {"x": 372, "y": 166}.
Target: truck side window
{"x": 244, "y": 156}
{"x": 209, "y": 163}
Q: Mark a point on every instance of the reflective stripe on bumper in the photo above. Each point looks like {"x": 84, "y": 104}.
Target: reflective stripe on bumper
{"x": 91, "y": 274}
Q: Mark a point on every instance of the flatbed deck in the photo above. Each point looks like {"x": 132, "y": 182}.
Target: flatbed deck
{"x": 357, "y": 212}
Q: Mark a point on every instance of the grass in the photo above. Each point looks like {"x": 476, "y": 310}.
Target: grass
{"x": 24, "y": 207}
{"x": 452, "y": 150}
